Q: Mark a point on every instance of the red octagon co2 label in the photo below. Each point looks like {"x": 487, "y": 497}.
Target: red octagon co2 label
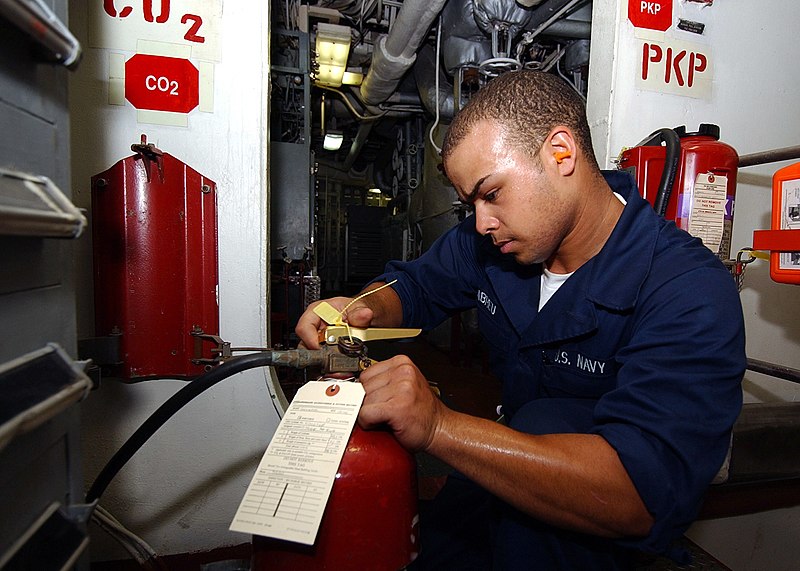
{"x": 162, "y": 83}
{"x": 650, "y": 14}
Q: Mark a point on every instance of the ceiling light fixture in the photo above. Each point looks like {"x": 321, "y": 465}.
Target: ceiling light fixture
{"x": 333, "y": 140}
{"x": 332, "y": 49}
{"x": 352, "y": 78}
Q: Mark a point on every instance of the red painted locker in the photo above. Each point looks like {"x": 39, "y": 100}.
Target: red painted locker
{"x": 154, "y": 228}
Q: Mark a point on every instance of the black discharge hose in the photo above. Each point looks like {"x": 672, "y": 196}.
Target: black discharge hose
{"x": 673, "y": 154}
{"x": 173, "y": 405}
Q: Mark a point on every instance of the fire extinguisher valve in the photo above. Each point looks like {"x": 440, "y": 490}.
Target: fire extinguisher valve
{"x": 345, "y": 354}
{"x": 329, "y": 358}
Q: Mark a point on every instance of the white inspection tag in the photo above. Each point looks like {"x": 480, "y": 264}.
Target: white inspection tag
{"x": 707, "y": 216}
{"x": 288, "y": 493}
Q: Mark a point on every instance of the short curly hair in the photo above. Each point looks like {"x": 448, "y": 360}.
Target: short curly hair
{"x": 526, "y": 105}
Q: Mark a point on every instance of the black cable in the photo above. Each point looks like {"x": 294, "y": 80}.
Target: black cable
{"x": 169, "y": 408}
{"x": 671, "y": 160}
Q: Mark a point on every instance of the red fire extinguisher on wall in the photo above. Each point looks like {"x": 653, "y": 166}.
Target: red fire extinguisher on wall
{"x": 689, "y": 178}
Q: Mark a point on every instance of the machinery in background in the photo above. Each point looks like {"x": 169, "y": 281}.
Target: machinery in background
{"x": 362, "y": 91}
{"x": 691, "y": 179}
{"x": 398, "y": 66}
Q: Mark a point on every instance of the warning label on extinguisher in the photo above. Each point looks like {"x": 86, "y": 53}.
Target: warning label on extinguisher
{"x": 707, "y": 214}
{"x": 790, "y": 220}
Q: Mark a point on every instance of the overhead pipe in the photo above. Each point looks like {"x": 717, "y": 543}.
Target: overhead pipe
{"x": 351, "y": 107}
{"x": 402, "y": 105}
{"x": 548, "y": 12}
{"x": 333, "y": 171}
{"x": 396, "y": 52}
{"x": 771, "y": 156}
{"x": 402, "y": 98}
{"x": 774, "y": 370}
{"x": 569, "y": 29}
{"x": 547, "y": 16}
{"x": 362, "y": 135}
{"x": 398, "y": 105}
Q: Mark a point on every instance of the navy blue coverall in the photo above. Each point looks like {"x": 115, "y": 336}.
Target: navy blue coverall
{"x": 643, "y": 345}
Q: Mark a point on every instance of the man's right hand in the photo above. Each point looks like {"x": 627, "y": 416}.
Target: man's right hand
{"x": 309, "y": 325}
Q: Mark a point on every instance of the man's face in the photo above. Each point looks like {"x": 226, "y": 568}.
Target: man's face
{"x": 513, "y": 195}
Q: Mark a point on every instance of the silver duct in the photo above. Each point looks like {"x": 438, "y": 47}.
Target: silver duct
{"x": 395, "y": 53}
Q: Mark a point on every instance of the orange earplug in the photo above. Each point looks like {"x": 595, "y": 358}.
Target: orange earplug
{"x": 561, "y": 155}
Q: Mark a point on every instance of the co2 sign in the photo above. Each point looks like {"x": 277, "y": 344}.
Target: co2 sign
{"x": 162, "y": 83}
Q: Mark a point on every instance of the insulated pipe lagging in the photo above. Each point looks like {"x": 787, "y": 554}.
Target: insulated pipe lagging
{"x": 395, "y": 53}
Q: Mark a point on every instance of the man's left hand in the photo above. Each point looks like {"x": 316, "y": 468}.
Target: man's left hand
{"x": 399, "y": 395}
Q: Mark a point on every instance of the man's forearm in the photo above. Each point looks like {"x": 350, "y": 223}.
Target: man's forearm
{"x": 573, "y": 481}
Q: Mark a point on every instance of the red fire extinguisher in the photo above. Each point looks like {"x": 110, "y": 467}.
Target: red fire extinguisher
{"x": 154, "y": 228}
{"x": 691, "y": 179}
{"x": 370, "y": 521}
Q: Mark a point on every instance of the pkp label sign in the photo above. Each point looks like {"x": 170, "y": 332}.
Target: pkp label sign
{"x": 650, "y": 14}
{"x": 680, "y": 68}
{"x": 162, "y": 83}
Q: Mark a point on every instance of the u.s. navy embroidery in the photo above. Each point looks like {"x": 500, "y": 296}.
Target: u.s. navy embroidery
{"x": 574, "y": 360}
{"x": 589, "y": 365}
{"x": 486, "y": 301}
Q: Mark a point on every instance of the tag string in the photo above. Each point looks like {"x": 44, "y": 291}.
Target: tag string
{"x": 355, "y": 299}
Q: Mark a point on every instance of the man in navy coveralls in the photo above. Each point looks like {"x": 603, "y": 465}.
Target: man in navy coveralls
{"x": 618, "y": 337}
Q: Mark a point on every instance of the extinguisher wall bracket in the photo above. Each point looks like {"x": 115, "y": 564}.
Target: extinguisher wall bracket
{"x": 221, "y": 350}
{"x": 148, "y": 153}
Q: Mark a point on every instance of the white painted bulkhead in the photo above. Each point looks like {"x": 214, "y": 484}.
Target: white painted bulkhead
{"x": 181, "y": 490}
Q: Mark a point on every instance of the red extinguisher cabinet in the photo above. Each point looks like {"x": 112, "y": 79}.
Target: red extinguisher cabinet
{"x": 704, "y": 189}
{"x": 784, "y": 237}
{"x": 154, "y": 231}
{"x": 370, "y": 521}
